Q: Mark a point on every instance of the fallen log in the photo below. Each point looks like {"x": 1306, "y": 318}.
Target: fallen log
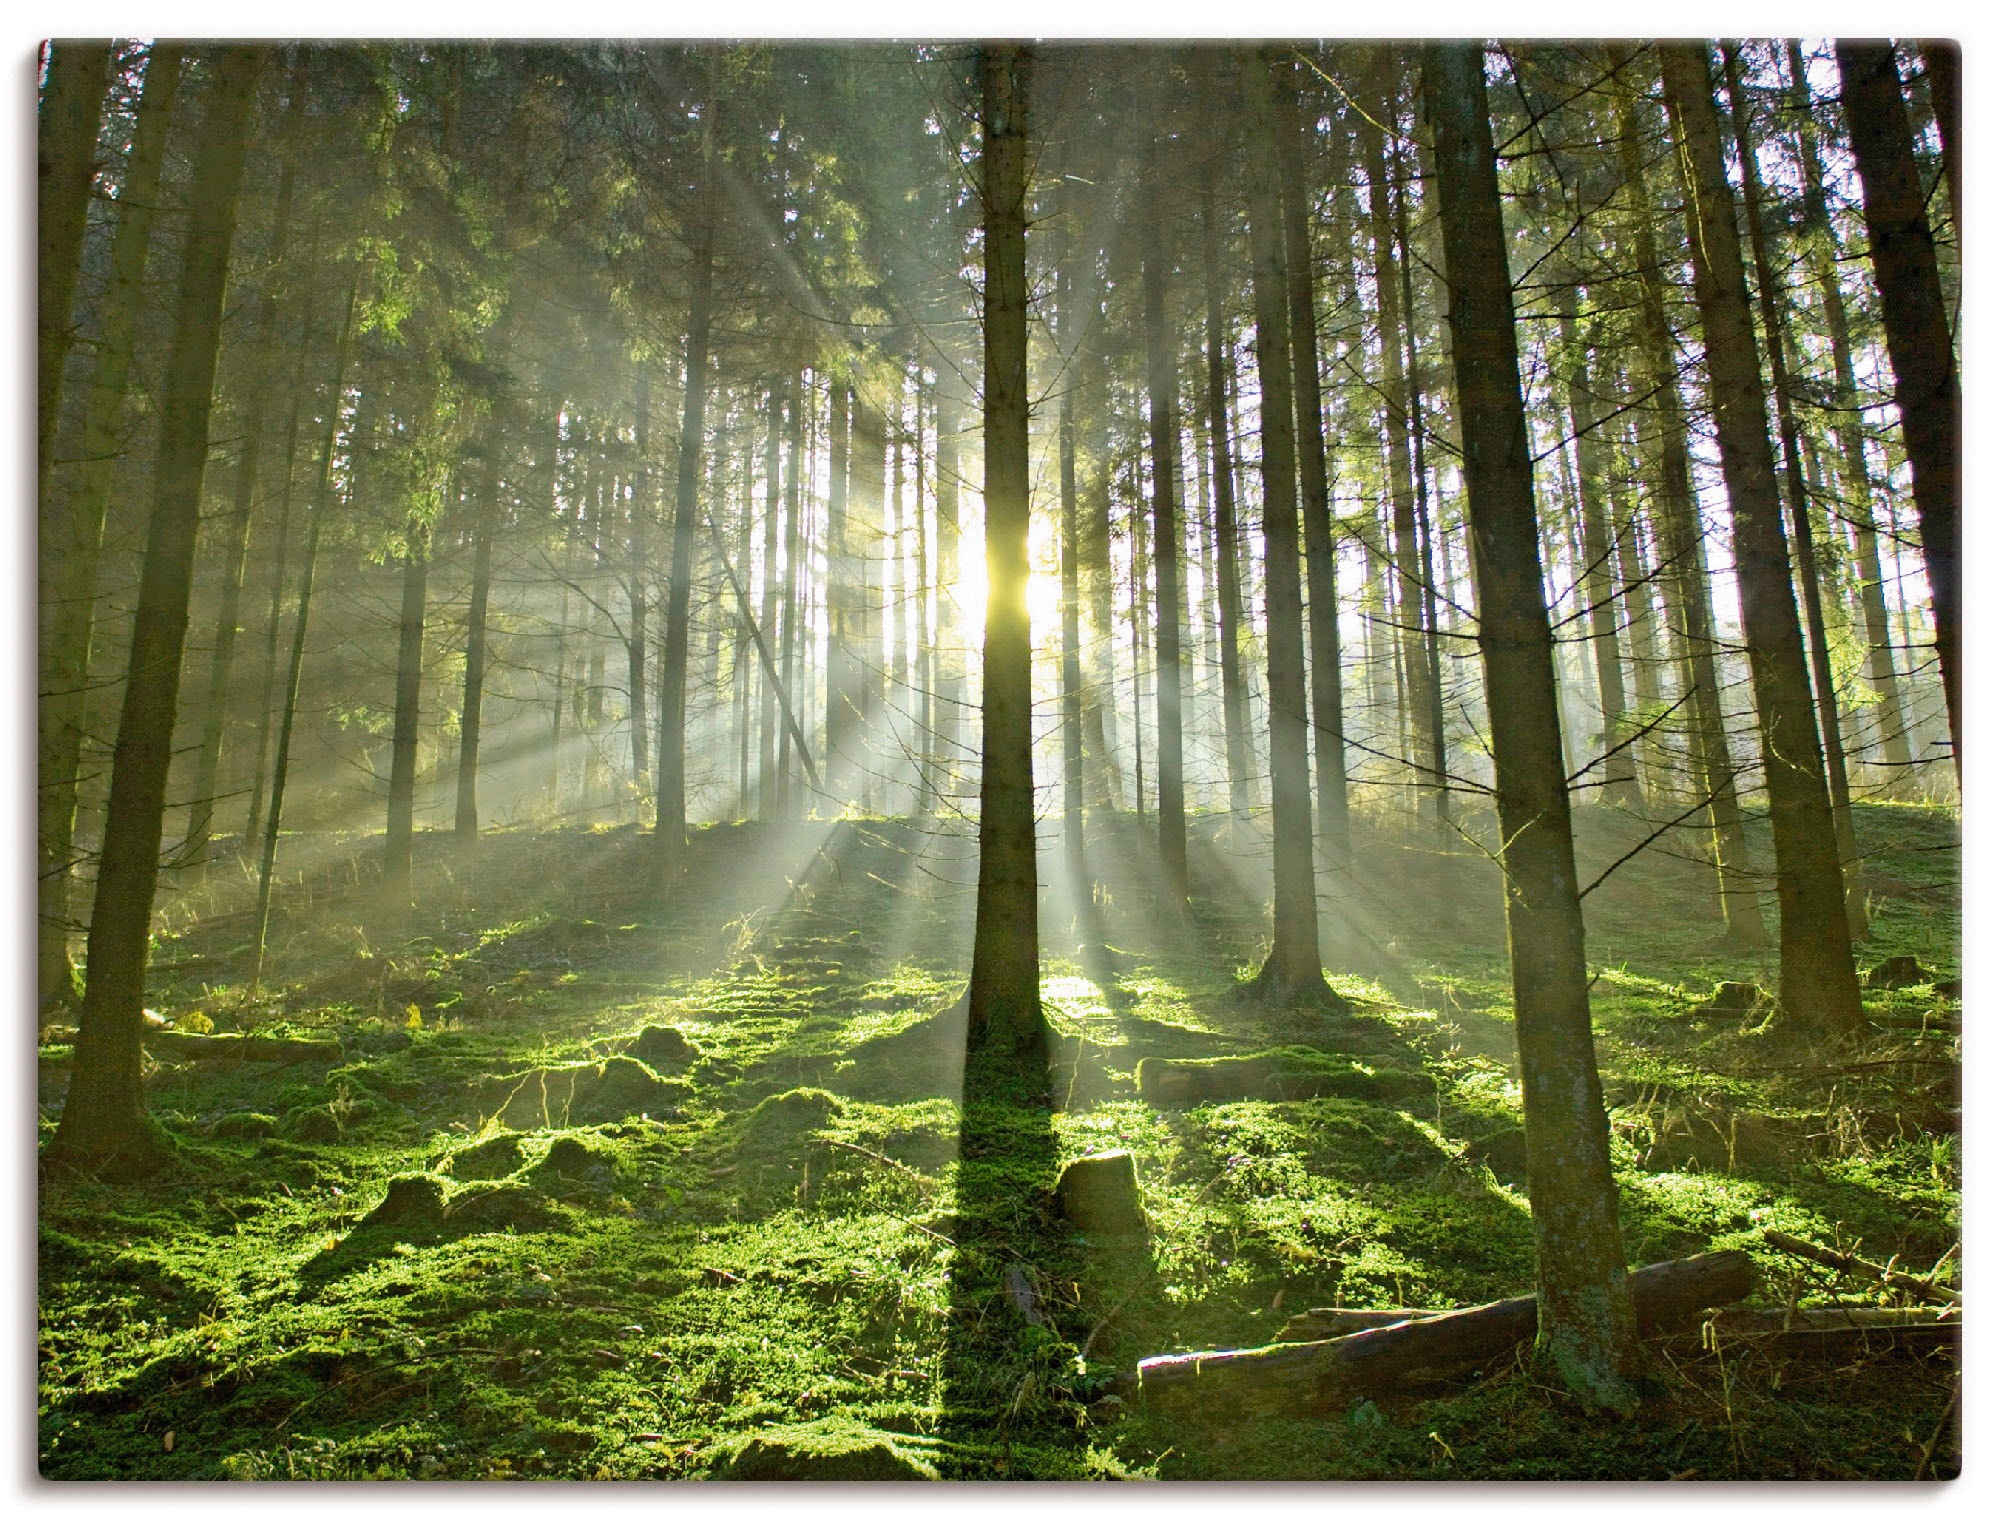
{"x": 1822, "y": 1330}
{"x": 1854, "y": 1265}
{"x": 1666, "y": 1296}
{"x": 240, "y": 1047}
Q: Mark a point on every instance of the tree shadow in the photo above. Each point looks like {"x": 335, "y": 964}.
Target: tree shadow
{"x": 1008, "y": 1373}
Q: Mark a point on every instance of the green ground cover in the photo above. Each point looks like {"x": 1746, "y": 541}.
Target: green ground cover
{"x": 497, "y": 1237}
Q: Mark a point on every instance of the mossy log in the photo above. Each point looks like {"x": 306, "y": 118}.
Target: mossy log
{"x": 1666, "y": 1296}
{"x": 1290, "y": 1074}
{"x": 1332, "y": 1323}
{"x": 240, "y": 1047}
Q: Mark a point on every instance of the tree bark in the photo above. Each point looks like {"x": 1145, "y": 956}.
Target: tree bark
{"x": 73, "y": 540}
{"x": 1586, "y": 1319}
{"x": 1817, "y": 988}
{"x": 104, "y": 1124}
{"x": 1004, "y": 1006}
{"x": 1917, "y": 329}
{"x": 465, "y": 816}
{"x": 1292, "y": 974}
{"x": 1072, "y": 636}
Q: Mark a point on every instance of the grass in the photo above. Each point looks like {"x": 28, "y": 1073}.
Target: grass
{"x": 803, "y": 1244}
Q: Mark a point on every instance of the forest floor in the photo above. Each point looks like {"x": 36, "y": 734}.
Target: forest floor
{"x": 779, "y": 1237}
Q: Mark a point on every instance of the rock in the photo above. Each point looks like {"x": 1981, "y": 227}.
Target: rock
{"x": 663, "y": 1047}
{"x": 826, "y": 1450}
{"x": 499, "y": 1156}
{"x": 413, "y": 1203}
{"x": 1732, "y": 999}
{"x": 1281, "y": 1075}
{"x": 1099, "y": 1194}
{"x": 1895, "y": 972}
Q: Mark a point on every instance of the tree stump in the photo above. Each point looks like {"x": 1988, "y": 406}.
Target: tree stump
{"x": 1099, "y": 1194}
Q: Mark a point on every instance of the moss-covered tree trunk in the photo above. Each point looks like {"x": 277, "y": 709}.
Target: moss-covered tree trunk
{"x": 1817, "y": 985}
{"x": 1228, "y": 578}
{"x": 104, "y": 1124}
{"x": 1585, "y": 1311}
{"x": 399, "y": 837}
{"x": 1004, "y": 996}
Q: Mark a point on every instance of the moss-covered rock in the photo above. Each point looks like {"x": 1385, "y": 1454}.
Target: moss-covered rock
{"x": 826, "y": 1450}
{"x": 572, "y": 1161}
{"x": 412, "y": 1204}
{"x": 625, "y": 1088}
{"x": 1283, "y": 1075}
{"x": 1099, "y": 1194}
{"x": 663, "y": 1047}
{"x": 245, "y": 1126}
{"x": 311, "y": 1126}
{"x": 508, "y": 1207}
{"x": 501, "y": 1155}
{"x": 787, "y": 1117}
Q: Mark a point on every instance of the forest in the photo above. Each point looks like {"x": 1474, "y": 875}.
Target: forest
{"x": 994, "y": 761}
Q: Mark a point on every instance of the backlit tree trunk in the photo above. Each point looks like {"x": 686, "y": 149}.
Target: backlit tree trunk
{"x": 1004, "y": 996}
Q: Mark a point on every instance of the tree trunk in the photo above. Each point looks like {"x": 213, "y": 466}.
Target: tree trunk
{"x": 1620, "y": 774}
{"x": 398, "y": 838}
{"x": 1816, "y": 959}
{"x": 788, "y": 595}
{"x": 951, "y": 616}
{"x": 1858, "y": 504}
{"x": 1292, "y": 973}
{"x": 222, "y": 657}
{"x": 1004, "y": 1005}
{"x": 638, "y": 573}
{"x": 1072, "y": 639}
{"x": 1827, "y": 704}
{"x": 465, "y": 818}
{"x": 1917, "y": 329}
{"x": 104, "y": 1123}
{"x": 1322, "y": 602}
{"x": 1411, "y": 590}
{"x": 1687, "y": 559}
{"x": 72, "y": 541}
{"x": 65, "y": 170}
{"x": 770, "y": 743}
{"x": 670, "y": 815}
{"x": 1164, "y": 437}
{"x": 1586, "y": 1319}
{"x": 1228, "y": 583}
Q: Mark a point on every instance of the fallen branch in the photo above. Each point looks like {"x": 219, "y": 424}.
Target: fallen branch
{"x": 1824, "y": 1329}
{"x": 1332, "y": 1323}
{"x": 1667, "y": 1297}
{"x": 1854, "y": 1265}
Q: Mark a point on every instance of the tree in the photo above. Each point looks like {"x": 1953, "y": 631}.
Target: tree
{"x": 65, "y": 169}
{"x": 1585, "y": 1313}
{"x": 104, "y": 1124}
{"x": 1004, "y": 997}
{"x": 1916, "y": 326}
{"x": 1817, "y": 986}
{"x": 1292, "y": 973}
